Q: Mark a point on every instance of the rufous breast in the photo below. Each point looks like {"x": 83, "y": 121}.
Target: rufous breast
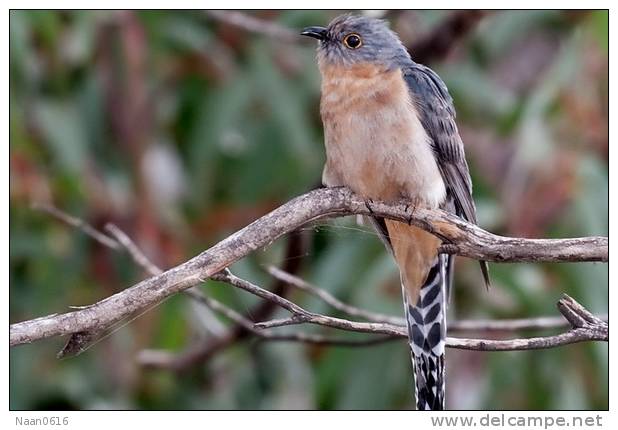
{"x": 375, "y": 142}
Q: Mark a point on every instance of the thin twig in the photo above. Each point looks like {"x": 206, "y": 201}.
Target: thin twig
{"x": 569, "y": 337}
{"x": 329, "y": 299}
{"x": 440, "y": 40}
{"x": 254, "y": 25}
{"x": 510, "y": 325}
{"x": 301, "y": 315}
{"x": 520, "y": 324}
{"x": 209, "y": 347}
{"x": 136, "y": 254}
{"x": 231, "y": 314}
{"x": 77, "y": 223}
{"x": 595, "y": 330}
{"x": 590, "y": 329}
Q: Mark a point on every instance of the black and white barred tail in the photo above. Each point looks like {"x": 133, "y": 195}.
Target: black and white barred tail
{"x": 426, "y": 322}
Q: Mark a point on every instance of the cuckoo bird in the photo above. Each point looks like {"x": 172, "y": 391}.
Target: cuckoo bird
{"x": 390, "y": 134}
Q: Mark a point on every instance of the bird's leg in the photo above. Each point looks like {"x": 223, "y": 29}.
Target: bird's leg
{"x": 368, "y": 203}
{"x": 411, "y": 205}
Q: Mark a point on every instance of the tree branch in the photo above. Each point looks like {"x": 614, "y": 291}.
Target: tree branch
{"x": 441, "y": 39}
{"x": 80, "y": 341}
{"x": 329, "y": 299}
{"x": 585, "y": 325}
{"x": 206, "y": 349}
{"x": 464, "y": 238}
{"x": 434, "y": 45}
{"x": 585, "y": 328}
{"x": 78, "y": 224}
{"x": 476, "y": 325}
{"x": 255, "y": 25}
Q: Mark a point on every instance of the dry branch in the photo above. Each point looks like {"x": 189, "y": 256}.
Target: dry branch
{"x": 476, "y": 325}
{"x": 432, "y": 46}
{"x": 255, "y": 25}
{"x": 77, "y": 223}
{"x": 237, "y": 333}
{"x": 584, "y": 327}
{"x": 464, "y": 238}
{"x": 329, "y": 299}
{"x": 440, "y": 40}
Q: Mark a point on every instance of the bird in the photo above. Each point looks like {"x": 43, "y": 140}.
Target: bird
{"x": 390, "y": 135}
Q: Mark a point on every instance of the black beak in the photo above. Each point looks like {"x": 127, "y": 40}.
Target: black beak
{"x": 315, "y": 32}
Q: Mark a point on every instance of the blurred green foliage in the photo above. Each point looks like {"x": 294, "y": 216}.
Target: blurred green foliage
{"x": 182, "y": 129}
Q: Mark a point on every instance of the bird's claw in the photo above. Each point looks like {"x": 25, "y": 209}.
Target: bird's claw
{"x": 368, "y": 203}
{"x": 411, "y": 206}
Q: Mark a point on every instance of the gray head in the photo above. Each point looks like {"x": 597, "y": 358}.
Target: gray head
{"x": 350, "y": 40}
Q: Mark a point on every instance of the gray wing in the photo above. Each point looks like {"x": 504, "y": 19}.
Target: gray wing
{"x": 437, "y": 115}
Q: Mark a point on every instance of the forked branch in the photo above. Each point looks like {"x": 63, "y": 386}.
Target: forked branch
{"x": 459, "y": 237}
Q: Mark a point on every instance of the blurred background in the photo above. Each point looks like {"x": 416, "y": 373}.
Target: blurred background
{"x": 182, "y": 127}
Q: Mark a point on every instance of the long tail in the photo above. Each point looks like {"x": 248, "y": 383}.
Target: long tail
{"x": 426, "y": 322}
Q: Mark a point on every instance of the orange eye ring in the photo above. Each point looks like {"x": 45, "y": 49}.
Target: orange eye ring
{"x": 353, "y": 41}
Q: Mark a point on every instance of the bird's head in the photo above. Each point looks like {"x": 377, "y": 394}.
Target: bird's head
{"x": 351, "y": 40}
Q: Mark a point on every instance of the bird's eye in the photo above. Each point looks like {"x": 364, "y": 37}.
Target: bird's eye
{"x": 353, "y": 41}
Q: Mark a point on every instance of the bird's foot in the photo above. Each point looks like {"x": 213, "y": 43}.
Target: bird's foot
{"x": 411, "y": 204}
{"x": 368, "y": 203}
